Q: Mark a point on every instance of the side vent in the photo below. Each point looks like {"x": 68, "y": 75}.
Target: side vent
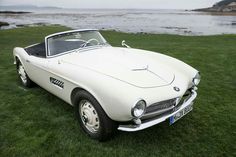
{"x": 57, "y": 82}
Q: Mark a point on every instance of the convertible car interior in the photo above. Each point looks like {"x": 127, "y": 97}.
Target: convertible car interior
{"x": 37, "y": 50}
{"x": 59, "y": 46}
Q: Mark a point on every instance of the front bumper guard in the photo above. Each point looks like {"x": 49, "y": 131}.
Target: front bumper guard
{"x": 132, "y": 128}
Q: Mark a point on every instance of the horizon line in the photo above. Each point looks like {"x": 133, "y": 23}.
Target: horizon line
{"x": 56, "y": 7}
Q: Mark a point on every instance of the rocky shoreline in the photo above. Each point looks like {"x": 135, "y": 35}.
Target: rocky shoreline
{"x": 6, "y": 24}
{"x": 14, "y": 12}
{"x": 225, "y": 6}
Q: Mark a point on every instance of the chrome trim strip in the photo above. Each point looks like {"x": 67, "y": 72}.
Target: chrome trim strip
{"x": 31, "y": 45}
{"x": 131, "y": 128}
{"x": 70, "y": 31}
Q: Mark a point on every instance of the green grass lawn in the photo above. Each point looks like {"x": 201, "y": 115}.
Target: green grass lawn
{"x": 33, "y": 122}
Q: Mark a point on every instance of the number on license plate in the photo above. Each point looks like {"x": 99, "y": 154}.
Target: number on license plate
{"x": 180, "y": 114}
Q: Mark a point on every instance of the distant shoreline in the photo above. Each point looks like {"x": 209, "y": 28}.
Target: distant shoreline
{"x": 212, "y": 10}
{"x": 218, "y": 13}
{"x": 139, "y": 21}
{"x": 224, "y": 6}
{"x": 15, "y": 12}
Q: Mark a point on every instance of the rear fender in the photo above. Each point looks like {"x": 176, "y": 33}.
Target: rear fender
{"x": 21, "y": 54}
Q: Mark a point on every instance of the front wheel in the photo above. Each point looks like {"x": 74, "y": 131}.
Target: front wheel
{"x": 92, "y": 118}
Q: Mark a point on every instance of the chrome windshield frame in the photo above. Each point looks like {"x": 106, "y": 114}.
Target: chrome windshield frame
{"x": 66, "y": 52}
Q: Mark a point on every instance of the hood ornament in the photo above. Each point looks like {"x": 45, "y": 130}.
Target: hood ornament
{"x": 140, "y": 69}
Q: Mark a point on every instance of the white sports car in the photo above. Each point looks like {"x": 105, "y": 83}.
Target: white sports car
{"x": 109, "y": 87}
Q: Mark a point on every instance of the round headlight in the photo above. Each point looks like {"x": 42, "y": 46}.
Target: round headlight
{"x": 197, "y": 79}
{"x": 139, "y": 109}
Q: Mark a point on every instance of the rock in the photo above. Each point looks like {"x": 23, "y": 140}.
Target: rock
{"x": 174, "y": 28}
{"x": 4, "y": 24}
{"x": 21, "y": 25}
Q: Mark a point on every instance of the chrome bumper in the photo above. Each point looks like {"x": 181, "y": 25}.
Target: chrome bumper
{"x": 131, "y": 128}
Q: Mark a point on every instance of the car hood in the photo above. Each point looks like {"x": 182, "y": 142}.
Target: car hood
{"x": 128, "y": 65}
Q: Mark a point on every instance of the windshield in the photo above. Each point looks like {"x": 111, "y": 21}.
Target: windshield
{"x": 73, "y": 40}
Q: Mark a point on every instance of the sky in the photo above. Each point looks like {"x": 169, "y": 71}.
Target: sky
{"x": 139, "y": 4}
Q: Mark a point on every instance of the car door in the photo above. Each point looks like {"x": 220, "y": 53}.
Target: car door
{"x": 37, "y": 70}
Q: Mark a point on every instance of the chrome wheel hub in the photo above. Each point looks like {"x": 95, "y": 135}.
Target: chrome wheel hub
{"x": 22, "y": 74}
{"x": 89, "y": 116}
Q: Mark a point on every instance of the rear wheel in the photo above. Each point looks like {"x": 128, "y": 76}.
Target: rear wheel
{"x": 24, "y": 78}
{"x": 92, "y": 118}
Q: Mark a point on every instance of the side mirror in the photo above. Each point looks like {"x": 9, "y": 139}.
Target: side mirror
{"x": 124, "y": 44}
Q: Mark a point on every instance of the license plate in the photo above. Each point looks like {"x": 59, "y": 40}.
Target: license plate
{"x": 181, "y": 113}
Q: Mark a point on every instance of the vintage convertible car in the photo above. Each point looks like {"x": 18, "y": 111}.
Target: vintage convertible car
{"x": 109, "y": 87}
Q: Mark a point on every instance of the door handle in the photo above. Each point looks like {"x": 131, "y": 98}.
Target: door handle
{"x": 27, "y": 61}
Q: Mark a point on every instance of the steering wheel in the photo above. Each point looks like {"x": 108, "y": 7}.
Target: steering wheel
{"x": 89, "y": 41}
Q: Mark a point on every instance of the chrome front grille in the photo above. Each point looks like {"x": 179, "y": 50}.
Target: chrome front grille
{"x": 165, "y": 107}
{"x": 159, "y": 108}
{"x": 161, "y": 105}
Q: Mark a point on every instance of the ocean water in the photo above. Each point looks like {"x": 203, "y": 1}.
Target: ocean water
{"x": 133, "y": 20}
